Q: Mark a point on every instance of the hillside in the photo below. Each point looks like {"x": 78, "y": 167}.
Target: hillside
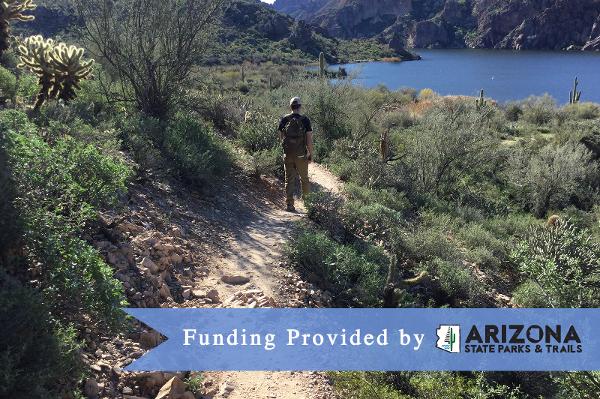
{"x": 248, "y": 30}
{"x": 515, "y": 24}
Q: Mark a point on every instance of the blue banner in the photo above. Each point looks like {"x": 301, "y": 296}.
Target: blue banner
{"x": 372, "y": 339}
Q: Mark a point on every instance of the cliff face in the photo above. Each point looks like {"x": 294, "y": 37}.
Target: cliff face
{"x": 554, "y": 25}
{"x": 512, "y": 24}
{"x": 360, "y": 18}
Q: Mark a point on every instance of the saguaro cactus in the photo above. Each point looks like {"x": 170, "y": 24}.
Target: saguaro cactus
{"x": 574, "y": 95}
{"x": 481, "y": 102}
{"x": 59, "y": 67}
{"x": 12, "y": 10}
{"x": 321, "y": 64}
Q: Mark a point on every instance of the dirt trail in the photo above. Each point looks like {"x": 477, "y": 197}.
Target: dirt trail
{"x": 255, "y": 250}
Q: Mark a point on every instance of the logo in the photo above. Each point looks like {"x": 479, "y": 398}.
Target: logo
{"x": 449, "y": 338}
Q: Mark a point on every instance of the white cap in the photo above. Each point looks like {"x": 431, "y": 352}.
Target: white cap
{"x": 295, "y": 101}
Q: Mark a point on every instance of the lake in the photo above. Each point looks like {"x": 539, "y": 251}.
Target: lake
{"x": 504, "y": 75}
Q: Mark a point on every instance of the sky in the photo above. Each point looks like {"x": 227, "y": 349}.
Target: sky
{"x": 268, "y": 1}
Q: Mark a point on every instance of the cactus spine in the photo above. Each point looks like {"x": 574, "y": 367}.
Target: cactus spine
{"x": 481, "y": 102}
{"x": 574, "y": 95}
{"x": 59, "y": 67}
{"x": 12, "y": 10}
{"x": 321, "y": 64}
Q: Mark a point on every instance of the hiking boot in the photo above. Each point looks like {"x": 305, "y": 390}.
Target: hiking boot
{"x": 291, "y": 208}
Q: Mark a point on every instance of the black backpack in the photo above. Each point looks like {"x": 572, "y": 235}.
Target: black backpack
{"x": 294, "y": 137}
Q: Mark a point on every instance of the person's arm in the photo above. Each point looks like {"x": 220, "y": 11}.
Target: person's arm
{"x": 309, "y": 139}
{"x": 280, "y": 130}
{"x": 309, "y": 145}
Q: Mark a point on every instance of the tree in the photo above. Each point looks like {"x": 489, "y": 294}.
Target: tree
{"x": 151, "y": 45}
{"x": 555, "y": 177}
{"x": 451, "y": 141}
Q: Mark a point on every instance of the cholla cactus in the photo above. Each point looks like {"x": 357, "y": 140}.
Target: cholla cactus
{"x": 395, "y": 287}
{"x": 36, "y": 55}
{"x": 60, "y": 68}
{"x": 71, "y": 69}
{"x": 12, "y": 10}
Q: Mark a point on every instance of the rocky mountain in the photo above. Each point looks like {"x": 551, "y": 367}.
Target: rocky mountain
{"x": 512, "y": 24}
{"x": 249, "y": 30}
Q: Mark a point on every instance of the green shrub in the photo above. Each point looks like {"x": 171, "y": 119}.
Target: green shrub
{"x": 76, "y": 278}
{"x": 325, "y": 209}
{"x": 258, "y": 134}
{"x": 39, "y": 359}
{"x": 27, "y": 88}
{"x": 12, "y": 120}
{"x": 451, "y": 142}
{"x": 555, "y": 177}
{"x": 420, "y": 385}
{"x": 222, "y": 110}
{"x": 389, "y": 198}
{"x": 351, "y": 277}
{"x": 361, "y": 385}
{"x": 539, "y": 110}
{"x": 456, "y": 280}
{"x": 513, "y": 112}
{"x": 8, "y": 85}
{"x": 578, "y": 385}
{"x": 432, "y": 238}
{"x": 267, "y": 162}
{"x": 374, "y": 222}
{"x": 140, "y": 136}
{"x": 484, "y": 248}
{"x": 530, "y": 295}
{"x": 582, "y": 111}
{"x": 58, "y": 191}
{"x": 195, "y": 150}
{"x": 564, "y": 262}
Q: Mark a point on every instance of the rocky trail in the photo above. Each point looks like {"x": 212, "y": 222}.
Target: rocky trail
{"x": 175, "y": 248}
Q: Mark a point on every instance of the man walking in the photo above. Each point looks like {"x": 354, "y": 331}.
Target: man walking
{"x": 296, "y": 136}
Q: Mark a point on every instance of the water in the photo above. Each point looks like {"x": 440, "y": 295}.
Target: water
{"x": 504, "y": 75}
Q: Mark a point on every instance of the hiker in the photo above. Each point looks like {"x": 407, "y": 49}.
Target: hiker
{"x": 296, "y": 136}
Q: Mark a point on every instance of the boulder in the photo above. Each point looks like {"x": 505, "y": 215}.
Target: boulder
{"x": 164, "y": 291}
{"x": 150, "y": 265}
{"x": 235, "y": 280}
{"x": 214, "y": 296}
{"x": 173, "y": 389}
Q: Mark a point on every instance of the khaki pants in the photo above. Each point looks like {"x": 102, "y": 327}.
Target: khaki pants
{"x": 295, "y": 166}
